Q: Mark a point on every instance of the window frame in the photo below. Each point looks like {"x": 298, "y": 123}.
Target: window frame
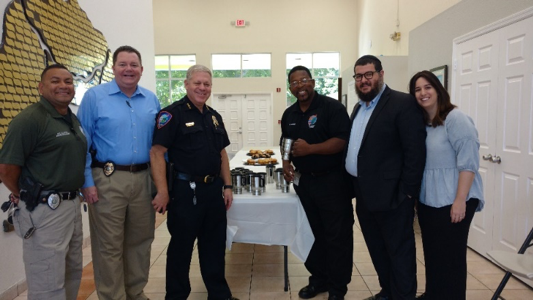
{"x": 241, "y": 72}
{"x": 290, "y": 97}
{"x": 172, "y": 82}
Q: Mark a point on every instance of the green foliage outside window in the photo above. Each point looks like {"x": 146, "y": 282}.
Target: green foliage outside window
{"x": 226, "y": 73}
{"x": 325, "y": 83}
{"x": 245, "y": 73}
{"x": 170, "y": 74}
{"x": 256, "y": 73}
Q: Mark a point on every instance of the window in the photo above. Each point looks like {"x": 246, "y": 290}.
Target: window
{"x": 324, "y": 67}
{"x": 170, "y": 74}
{"x": 241, "y": 65}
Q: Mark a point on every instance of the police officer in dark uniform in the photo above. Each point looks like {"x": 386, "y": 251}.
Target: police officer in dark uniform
{"x": 320, "y": 128}
{"x": 194, "y": 136}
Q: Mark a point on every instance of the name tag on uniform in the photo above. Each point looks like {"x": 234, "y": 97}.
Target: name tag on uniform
{"x": 189, "y": 124}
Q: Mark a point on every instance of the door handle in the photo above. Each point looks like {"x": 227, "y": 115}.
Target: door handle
{"x": 487, "y": 157}
{"x": 496, "y": 159}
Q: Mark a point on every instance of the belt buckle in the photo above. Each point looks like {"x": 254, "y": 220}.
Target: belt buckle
{"x": 53, "y": 200}
{"x": 206, "y": 178}
{"x": 109, "y": 168}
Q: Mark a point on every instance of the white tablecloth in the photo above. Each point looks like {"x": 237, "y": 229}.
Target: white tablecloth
{"x": 273, "y": 218}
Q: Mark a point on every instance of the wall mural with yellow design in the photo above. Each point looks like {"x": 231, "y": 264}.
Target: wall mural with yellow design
{"x": 37, "y": 33}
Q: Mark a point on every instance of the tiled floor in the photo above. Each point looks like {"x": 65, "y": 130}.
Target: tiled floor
{"x": 255, "y": 272}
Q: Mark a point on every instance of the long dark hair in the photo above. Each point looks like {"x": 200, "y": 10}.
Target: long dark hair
{"x": 444, "y": 105}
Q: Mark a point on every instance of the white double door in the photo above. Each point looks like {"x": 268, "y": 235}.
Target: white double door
{"x": 247, "y": 117}
{"x": 492, "y": 82}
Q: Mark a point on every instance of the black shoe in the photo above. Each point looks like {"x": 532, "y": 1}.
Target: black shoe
{"x": 232, "y": 298}
{"x": 423, "y": 296}
{"x": 310, "y": 291}
{"x": 335, "y": 297}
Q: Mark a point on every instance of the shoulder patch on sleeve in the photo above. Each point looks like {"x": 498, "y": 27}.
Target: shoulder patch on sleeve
{"x": 163, "y": 119}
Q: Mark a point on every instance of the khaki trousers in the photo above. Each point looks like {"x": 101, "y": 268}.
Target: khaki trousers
{"x": 53, "y": 258}
{"x": 122, "y": 230}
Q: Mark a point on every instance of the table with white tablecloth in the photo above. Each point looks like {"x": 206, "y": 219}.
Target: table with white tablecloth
{"x": 272, "y": 218}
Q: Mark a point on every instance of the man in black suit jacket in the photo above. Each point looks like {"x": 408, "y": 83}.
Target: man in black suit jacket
{"x": 386, "y": 156}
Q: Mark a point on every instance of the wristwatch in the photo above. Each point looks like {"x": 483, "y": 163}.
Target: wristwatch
{"x": 228, "y": 186}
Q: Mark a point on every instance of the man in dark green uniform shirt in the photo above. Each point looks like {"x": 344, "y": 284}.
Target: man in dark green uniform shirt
{"x": 46, "y": 145}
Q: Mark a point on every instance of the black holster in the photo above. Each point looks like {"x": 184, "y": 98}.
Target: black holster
{"x": 30, "y": 192}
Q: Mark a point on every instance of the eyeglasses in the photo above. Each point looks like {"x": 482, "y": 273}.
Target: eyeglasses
{"x": 298, "y": 82}
{"x": 368, "y": 75}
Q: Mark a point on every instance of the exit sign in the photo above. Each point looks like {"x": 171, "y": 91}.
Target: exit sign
{"x": 240, "y": 23}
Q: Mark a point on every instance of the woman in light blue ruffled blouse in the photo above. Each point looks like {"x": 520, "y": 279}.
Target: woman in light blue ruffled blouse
{"x": 451, "y": 191}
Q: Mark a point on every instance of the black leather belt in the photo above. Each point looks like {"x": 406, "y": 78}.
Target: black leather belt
{"x": 197, "y": 179}
{"x": 62, "y": 195}
{"x": 54, "y": 198}
{"x": 129, "y": 168}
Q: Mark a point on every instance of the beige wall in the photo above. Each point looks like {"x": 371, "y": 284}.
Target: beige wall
{"x": 376, "y": 20}
{"x": 279, "y": 27}
{"x": 431, "y": 44}
{"x": 276, "y": 27}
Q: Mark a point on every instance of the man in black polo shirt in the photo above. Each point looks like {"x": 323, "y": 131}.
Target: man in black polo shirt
{"x": 320, "y": 128}
{"x": 194, "y": 136}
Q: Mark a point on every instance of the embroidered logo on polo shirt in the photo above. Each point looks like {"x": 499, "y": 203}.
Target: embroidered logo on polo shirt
{"x": 163, "y": 119}
{"x": 312, "y": 121}
{"x": 59, "y": 134}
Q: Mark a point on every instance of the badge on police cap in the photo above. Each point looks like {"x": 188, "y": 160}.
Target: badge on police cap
{"x": 163, "y": 119}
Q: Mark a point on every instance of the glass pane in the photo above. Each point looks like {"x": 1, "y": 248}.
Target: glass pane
{"x": 178, "y": 90}
{"x": 325, "y": 72}
{"x": 226, "y": 73}
{"x": 161, "y": 62}
{"x": 256, "y": 61}
{"x": 182, "y": 62}
{"x": 161, "y": 74}
{"x": 161, "y": 66}
{"x": 181, "y": 74}
{"x": 327, "y": 86}
{"x": 290, "y": 97}
{"x": 257, "y": 73}
{"x": 226, "y": 61}
{"x": 328, "y": 61}
{"x": 299, "y": 59}
{"x": 163, "y": 93}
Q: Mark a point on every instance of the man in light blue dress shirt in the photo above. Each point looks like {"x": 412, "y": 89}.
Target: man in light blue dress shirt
{"x": 118, "y": 119}
{"x": 386, "y": 154}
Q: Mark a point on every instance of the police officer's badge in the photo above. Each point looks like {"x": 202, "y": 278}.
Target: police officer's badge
{"x": 53, "y": 200}
{"x": 163, "y": 119}
{"x": 215, "y": 122}
{"x": 109, "y": 168}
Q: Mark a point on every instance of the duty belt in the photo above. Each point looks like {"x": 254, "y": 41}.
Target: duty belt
{"x": 198, "y": 179}
{"x": 54, "y": 198}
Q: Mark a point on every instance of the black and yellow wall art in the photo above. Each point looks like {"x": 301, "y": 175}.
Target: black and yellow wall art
{"x": 37, "y": 33}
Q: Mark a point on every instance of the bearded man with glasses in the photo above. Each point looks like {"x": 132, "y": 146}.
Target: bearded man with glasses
{"x": 386, "y": 155}
{"x": 319, "y": 126}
